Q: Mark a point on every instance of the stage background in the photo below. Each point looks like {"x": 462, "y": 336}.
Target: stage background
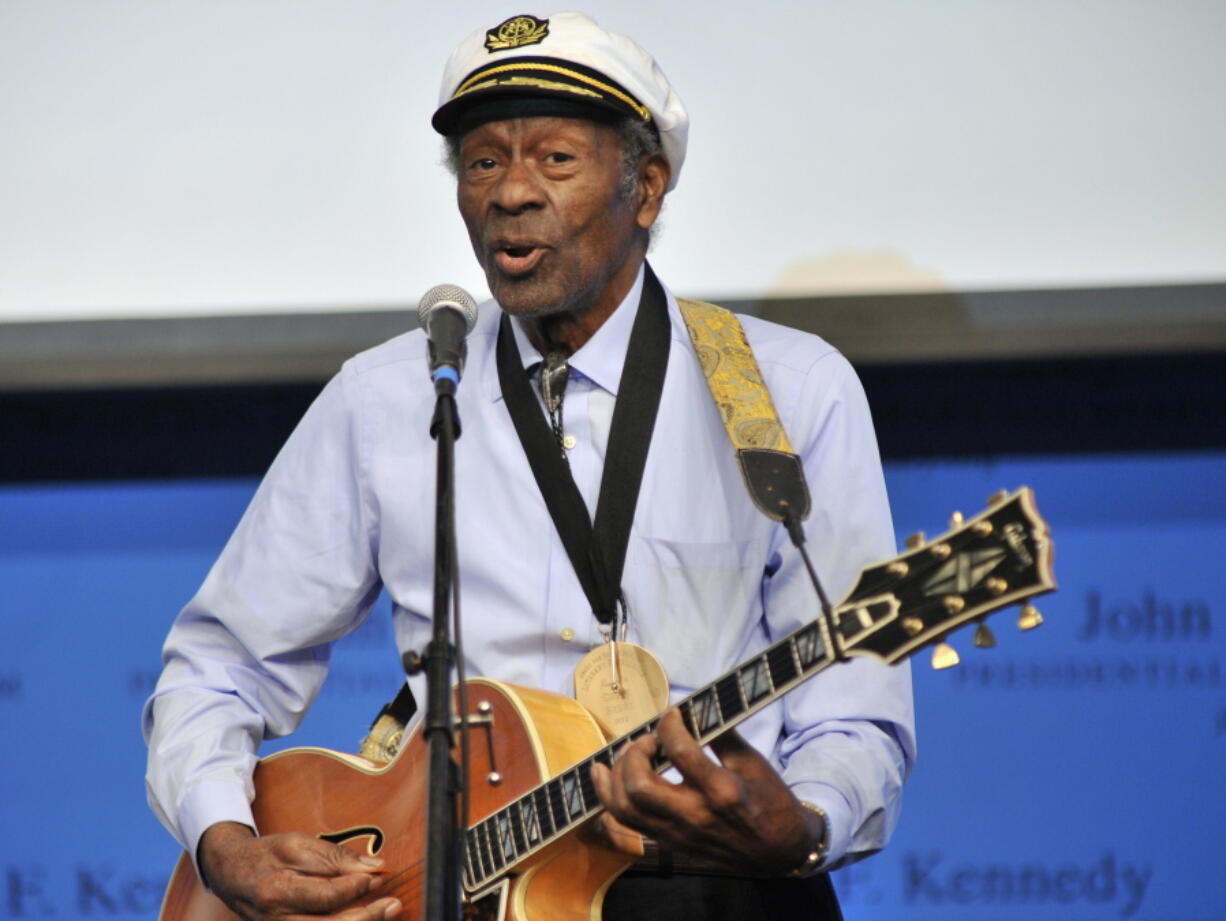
{"x": 1072, "y": 773}
{"x": 235, "y": 156}
{"x": 1010, "y": 214}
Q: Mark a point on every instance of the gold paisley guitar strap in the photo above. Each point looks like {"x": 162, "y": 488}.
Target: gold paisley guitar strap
{"x": 771, "y": 470}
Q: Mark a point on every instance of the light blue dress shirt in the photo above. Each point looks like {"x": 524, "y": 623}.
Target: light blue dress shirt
{"x": 348, "y": 508}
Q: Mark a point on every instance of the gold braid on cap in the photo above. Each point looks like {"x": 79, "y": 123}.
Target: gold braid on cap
{"x": 481, "y": 80}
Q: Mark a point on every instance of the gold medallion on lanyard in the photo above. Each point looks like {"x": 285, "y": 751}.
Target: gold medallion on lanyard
{"x": 620, "y": 684}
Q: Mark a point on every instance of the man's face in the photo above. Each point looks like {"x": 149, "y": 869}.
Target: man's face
{"x": 542, "y": 202}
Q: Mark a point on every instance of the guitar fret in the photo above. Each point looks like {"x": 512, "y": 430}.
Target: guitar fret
{"x": 755, "y": 680}
{"x": 472, "y": 857}
{"x": 488, "y": 839}
{"x": 687, "y": 716}
{"x": 782, "y": 663}
{"x": 530, "y": 821}
{"x": 506, "y": 837}
{"x": 517, "y": 829}
{"x": 556, "y": 806}
{"x": 480, "y": 868}
{"x": 572, "y": 795}
{"x": 729, "y": 693}
{"x": 586, "y": 787}
{"x": 706, "y": 711}
{"x": 540, "y": 797}
{"x": 809, "y": 646}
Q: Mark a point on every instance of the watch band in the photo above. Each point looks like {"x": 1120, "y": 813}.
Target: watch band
{"x": 817, "y": 856}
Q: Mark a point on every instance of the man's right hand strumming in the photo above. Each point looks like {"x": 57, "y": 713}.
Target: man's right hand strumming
{"x": 282, "y": 876}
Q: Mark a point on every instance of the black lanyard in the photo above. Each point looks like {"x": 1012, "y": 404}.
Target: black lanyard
{"x": 597, "y": 552}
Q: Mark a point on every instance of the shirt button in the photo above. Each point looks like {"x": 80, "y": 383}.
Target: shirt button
{"x": 567, "y": 633}
{"x": 569, "y": 441}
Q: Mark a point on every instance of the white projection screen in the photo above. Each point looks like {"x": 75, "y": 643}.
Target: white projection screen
{"x": 197, "y": 158}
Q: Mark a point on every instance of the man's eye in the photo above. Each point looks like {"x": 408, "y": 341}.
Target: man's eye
{"x": 559, "y": 157}
{"x": 482, "y": 164}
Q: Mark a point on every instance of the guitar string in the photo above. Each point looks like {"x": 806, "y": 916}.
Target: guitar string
{"x": 407, "y": 882}
{"x": 803, "y": 673}
{"x": 569, "y": 821}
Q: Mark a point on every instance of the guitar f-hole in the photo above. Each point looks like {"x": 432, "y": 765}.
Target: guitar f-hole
{"x": 372, "y": 833}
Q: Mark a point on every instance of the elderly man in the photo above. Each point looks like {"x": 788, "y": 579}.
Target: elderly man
{"x": 564, "y": 140}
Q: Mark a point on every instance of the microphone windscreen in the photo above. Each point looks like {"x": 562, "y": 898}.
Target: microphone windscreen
{"x": 443, "y": 296}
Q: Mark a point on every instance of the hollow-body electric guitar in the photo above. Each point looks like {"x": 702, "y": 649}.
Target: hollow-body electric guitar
{"x": 530, "y": 857}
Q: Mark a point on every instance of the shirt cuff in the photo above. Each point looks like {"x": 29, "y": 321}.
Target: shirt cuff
{"x": 838, "y": 817}
{"x": 207, "y": 804}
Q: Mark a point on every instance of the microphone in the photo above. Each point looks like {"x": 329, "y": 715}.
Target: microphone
{"x": 447, "y": 313}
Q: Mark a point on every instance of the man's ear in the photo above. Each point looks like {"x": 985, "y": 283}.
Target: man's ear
{"x": 654, "y": 173}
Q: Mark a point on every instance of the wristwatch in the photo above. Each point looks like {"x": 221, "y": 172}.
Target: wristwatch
{"x": 821, "y": 847}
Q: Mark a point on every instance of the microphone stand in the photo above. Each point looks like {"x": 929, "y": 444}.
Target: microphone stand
{"x": 442, "y": 892}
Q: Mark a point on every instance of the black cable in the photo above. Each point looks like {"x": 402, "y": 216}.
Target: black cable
{"x": 797, "y": 534}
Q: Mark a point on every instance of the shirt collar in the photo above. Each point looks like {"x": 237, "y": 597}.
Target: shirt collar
{"x": 601, "y": 358}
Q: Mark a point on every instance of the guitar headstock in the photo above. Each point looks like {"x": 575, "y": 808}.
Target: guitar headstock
{"x": 1000, "y": 557}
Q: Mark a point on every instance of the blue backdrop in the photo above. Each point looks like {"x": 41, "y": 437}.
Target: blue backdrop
{"x": 1071, "y": 773}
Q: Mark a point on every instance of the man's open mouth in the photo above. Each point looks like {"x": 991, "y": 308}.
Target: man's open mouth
{"x": 518, "y": 259}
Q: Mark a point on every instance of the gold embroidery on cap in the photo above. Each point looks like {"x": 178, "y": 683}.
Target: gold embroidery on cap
{"x": 536, "y": 83}
{"x": 480, "y": 80}
{"x": 517, "y": 32}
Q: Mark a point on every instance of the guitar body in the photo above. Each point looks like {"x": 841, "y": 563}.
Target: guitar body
{"x": 521, "y": 737}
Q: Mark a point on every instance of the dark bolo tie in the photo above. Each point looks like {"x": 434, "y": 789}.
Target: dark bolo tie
{"x": 554, "y": 374}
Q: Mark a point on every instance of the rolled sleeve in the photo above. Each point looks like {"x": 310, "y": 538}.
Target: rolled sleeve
{"x": 246, "y": 657}
{"x": 848, "y": 739}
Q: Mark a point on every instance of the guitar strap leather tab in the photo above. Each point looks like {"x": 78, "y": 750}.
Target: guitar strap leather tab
{"x": 772, "y": 472}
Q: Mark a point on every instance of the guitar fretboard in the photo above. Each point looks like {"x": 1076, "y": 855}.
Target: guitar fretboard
{"x": 556, "y": 807}
{"x": 1001, "y": 556}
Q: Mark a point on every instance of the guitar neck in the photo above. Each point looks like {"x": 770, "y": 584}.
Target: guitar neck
{"x": 558, "y": 806}
{"x": 1001, "y": 556}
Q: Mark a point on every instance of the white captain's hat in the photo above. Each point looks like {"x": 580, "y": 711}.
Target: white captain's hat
{"x": 565, "y": 65}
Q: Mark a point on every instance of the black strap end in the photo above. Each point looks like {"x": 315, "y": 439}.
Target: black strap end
{"x": 776, "y": 482}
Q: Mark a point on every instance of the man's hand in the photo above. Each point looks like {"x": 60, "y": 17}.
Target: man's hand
{"x": 737, "y": 813}
{"x": 287, "y": 875}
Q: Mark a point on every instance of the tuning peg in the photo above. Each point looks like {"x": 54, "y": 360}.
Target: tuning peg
{"x": 984, "y": 637}
{"x": 915, "y": 541}
{"x": 998, "y": 497}
{"x": 1029, "y": 618}
{"x": 944, "y": 656}
{"x": 956, "y": 519}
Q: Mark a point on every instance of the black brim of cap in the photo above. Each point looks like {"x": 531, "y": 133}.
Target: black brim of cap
{"x": 463, "y": 115}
